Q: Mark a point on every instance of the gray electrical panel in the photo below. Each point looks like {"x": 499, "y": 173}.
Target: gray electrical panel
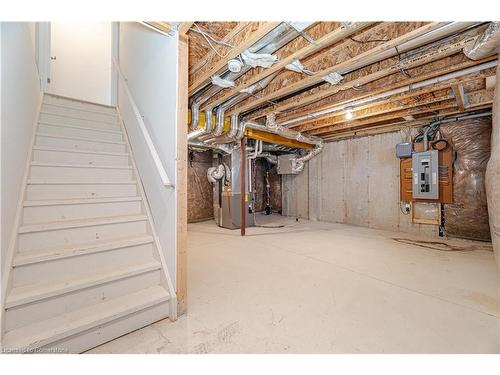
{"x": 425, "y": 175}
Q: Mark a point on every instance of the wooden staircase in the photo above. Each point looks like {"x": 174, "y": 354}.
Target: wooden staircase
{"x": 86, "y": 264}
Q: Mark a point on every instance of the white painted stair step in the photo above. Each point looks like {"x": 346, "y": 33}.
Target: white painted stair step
{"x": 86, "y": 267}
{"x": 59, "y": 327}
{"x": 54, "y": 140}
{"x": 39, "y": 189}
{"x": 72, "y": 209}
{"x": 73, "y": 103}
{"x": 27, "y": 314}
{"x": 77, "y": 232}
{"x": 46, "y": 154}
{"x": 110, "y": 112}
{"x": 62, "y": 120}
{"x": 63, "y": 269}
{"x": 69, "y": 251}
{"x": 70, "y": 110}
{"x": 80, "y": 114}
{"x": 80, "y": 171}
{"x": 30, "y": 293}
{"x": 80, "y": 131}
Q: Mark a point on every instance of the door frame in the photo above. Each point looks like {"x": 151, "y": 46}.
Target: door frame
{"x": 42, "y": 50}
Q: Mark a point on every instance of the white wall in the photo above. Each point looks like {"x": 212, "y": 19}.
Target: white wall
{"x": 354, "y": 181}
{"x": 20, "y": 99}
{"x": 149, "y": 62}
{"x": 82, "y": 68}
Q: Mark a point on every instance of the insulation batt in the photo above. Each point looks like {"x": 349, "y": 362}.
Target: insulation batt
{"x": 467, "y": 217}
{"x": 200, "y": 194}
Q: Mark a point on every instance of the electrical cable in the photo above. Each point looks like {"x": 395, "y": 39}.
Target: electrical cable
{"x": 207, "y": 36}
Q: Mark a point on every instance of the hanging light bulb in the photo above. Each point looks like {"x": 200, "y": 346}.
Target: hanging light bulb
{"x": 348, "y": 113}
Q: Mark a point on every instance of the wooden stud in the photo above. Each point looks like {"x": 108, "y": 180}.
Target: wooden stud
{"x": 184, "y": 27}
{"x": 458, "y": 91}
{"x": 181, "y": 176}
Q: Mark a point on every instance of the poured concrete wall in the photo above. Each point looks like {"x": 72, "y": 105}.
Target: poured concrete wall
{"x": 356, "y": 181}
{"x": 353, "y": 181}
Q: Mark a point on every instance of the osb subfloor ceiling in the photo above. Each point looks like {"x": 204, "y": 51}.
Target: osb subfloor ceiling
{"x": 372, "y": 58}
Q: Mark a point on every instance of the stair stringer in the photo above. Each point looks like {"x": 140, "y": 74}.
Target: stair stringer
{"x": 6, "y": 272}
{"x": 166, "y": 279}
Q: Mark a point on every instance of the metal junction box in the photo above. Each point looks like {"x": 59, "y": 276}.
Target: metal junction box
{"x": 425, "y": 175}
{"x": 404, "y": 150}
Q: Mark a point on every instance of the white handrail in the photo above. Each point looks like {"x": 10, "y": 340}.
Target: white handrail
{"x": 154, "y": 154}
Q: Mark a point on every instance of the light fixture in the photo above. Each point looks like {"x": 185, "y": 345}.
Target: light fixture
{"x": 234, "y": 65}
{"x": 348, "y": 113}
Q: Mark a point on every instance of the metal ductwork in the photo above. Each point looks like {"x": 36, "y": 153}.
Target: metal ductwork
{"x": 297, "y": 163}
{"x": 270, "y": 43}
{"x": 486, "y": 45}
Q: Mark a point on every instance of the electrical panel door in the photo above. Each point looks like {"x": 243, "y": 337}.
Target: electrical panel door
{"x": 425, "y": 175}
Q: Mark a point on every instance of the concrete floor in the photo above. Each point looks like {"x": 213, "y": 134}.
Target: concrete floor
{"x": 328, "y": 288}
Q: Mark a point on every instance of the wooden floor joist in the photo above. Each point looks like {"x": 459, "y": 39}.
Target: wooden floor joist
{"x": 427, "y": 90}
{"x": 324, "y": 42}
{"x": 424, "y": 119}
{"x": 205, "y": 74}
{"x": 410, "y": 63}
{"x": 376, "y": 110}
{"x": 414, "y": 92}
{"x": 318, "y": 77}
{"x": 211, "y": 54}
{"x": 398, "y": 114}
{"x": 367, "y": 55}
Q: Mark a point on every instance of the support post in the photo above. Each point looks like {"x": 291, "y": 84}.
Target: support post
{"x": 243, "y": 184}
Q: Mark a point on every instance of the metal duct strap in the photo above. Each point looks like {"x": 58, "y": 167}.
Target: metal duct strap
{"x": 296, "y": 66}
{"x": 264, "y": 60}
{"x": 221, "y": 82}
{"x": 486, "y": 45}
{"x": 333, "y": 78}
